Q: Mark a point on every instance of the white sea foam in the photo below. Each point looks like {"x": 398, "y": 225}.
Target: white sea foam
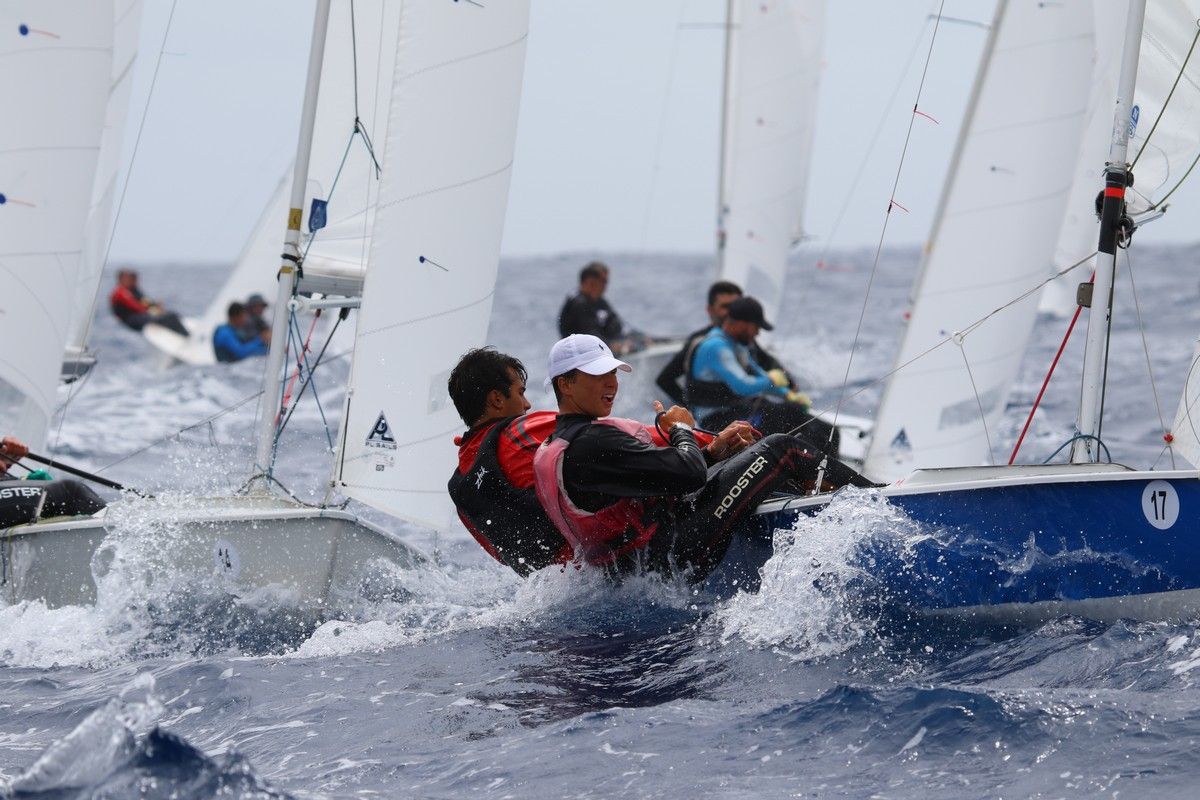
{"x": 809, "y": 602}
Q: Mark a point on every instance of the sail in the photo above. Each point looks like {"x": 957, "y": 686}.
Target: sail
{"x": 435, "y": 251}
{"x": 1170, "y": 28}
{"x": 342, "y": 245}
{"x": 993, "y": 239}
{"x": 773, "y": 71}
{"x": 56, "y": 59}
{"x": 127, "y": 22}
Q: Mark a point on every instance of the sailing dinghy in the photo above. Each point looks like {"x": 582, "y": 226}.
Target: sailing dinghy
{"x": 438, "y": 225}
{"x": 1024, "y": 543}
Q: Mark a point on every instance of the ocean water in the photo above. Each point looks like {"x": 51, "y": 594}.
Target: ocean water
{"x": 478, "y": 684}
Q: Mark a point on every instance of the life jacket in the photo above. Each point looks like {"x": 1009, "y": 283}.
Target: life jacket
{"x": 127, "y": 302}
{"x": 599, "y": 537}
{"x": 711, "y": 394}
{"x": 508, "y": 522}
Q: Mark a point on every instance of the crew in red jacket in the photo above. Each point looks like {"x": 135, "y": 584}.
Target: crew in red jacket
{"x": 135, "y": 311}
{"x": 493, "y": 485}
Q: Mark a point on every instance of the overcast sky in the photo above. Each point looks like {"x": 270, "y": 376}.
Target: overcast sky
{"x": 617, "y": 147}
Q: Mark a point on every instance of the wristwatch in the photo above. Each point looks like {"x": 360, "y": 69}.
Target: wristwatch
{"x": 682, "y": 425}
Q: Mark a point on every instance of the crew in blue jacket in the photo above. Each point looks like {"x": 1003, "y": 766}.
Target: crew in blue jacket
{"x": 725, "y": 383}
{"x": 229, "y": 346}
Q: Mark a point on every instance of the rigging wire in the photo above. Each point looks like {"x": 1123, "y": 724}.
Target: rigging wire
{"x": 960, "y": 341}
{"x": 1146, "y": 349}
{"x": 87, "y": 325}
{"x": 870, "y": 384}
{"x": 887, "y": 216}
{"x": 662, "y": 124}
{"x": 875, "y": 137}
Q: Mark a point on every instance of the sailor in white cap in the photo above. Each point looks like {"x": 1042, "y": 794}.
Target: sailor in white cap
{"x": 626, "y": 494}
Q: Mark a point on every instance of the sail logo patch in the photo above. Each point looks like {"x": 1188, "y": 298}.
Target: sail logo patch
{"x": 1134, "y": 114}
{"x": 381, "y": 434}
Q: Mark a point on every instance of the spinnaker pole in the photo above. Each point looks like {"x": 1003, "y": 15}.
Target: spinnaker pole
{"x": 268, "y": 407}
{"x": 1117, "y": 178}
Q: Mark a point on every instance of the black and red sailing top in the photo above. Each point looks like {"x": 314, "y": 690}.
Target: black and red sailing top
{"x": 126, "y": 302}
{"x": 493, "y": 491}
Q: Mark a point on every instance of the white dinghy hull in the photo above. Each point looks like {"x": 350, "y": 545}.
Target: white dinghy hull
{"x": 242, "y": 545}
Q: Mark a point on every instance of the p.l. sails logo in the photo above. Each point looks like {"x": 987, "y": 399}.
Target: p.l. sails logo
{"x": 381, "y": 435}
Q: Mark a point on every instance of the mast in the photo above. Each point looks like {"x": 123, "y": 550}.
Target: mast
{"x": 1116, "y": 178}
{"x": 268, "y": 407}
{"x": 722, "y": 164}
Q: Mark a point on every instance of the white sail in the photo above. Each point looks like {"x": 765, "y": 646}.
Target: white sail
{"x": 127, "y": 23}
{"x": 1169, "y": 30}
{"x": 342, "y": 245}
{"x": 56, "y": 59}
{"x": 773, "y": 72}
{"x": 428, "y": 291}
{"x": 993, "y": 239}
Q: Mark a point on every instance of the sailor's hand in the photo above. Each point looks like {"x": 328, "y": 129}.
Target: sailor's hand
{"x": 672, "y": 415}
{"x": 800, "y": 399}
{"x": 13, "y": 449}
{"x": 736, "y": 437}
{"x": 265, "y": 335}
{"x": 779, "y": 378}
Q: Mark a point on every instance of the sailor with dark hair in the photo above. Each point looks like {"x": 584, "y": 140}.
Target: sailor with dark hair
{"x": 256, "y": 323}
{"x": 588, "y": 312}
{"x": 135, "y": 310}
{"x": 23, "y": 501}
{"x": 493, "y": 485}
{"x": 625, "y": 496}
{"x": 228, "y": 342}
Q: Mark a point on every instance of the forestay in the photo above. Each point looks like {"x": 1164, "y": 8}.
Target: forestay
{"x": 127, "y": 23}
{"x": 772, "y": 75}
{"x": 993, "y": 240}
{"x": 56, "y": 59}
{"x": 435, "y": 250}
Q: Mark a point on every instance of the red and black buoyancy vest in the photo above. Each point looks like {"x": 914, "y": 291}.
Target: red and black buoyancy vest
{"x": 508, "y": 522}
{"x": 599, "y": 537}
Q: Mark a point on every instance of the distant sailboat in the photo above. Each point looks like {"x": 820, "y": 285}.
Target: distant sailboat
{"x": 355, "y": 77}
{"x": 436, "y": 231}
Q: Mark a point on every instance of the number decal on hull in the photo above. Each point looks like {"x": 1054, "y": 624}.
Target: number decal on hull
{"x": 1160, "y": 504}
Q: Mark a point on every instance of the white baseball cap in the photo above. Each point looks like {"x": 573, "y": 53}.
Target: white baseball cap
{"x": 583, "y": 352}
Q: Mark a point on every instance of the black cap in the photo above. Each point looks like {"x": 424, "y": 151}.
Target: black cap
{"x": 255, "y": 300}
{"x": 747, "y": 309}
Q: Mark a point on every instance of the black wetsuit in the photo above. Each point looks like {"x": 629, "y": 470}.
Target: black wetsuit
{"x": 20, "y": 500}
{"x": 581, "y": 314}
{"x": 696, "y": 506}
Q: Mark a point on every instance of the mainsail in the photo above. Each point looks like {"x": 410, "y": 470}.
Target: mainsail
{"x": 772, "y": 74}
{"x": 993, "y": 239}
{"x": 56, "y": 59}
{"x": 435, "y": 251}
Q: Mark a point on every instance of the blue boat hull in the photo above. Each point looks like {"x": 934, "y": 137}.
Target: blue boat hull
{"x": 1037, "y": 543}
